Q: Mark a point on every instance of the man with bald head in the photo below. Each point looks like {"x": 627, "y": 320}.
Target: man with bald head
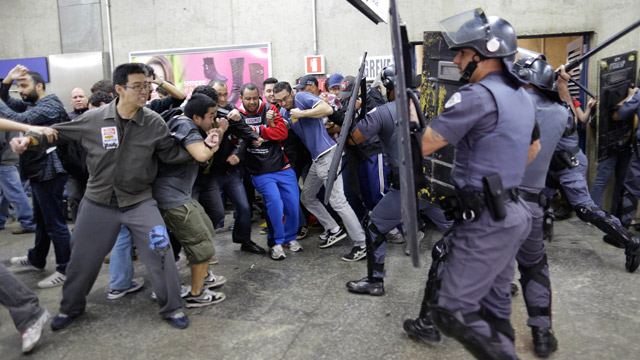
{"x": 79, "y": 102}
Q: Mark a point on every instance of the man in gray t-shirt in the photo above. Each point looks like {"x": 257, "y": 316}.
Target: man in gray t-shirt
{"x": 182, "y": 214}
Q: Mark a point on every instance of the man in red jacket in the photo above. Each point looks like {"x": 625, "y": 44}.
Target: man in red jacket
{"x": 270, "y": 171}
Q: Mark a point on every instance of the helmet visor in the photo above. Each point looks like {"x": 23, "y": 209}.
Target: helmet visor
{"x": 526, "y": 53}
{"x": 465, "y": 27}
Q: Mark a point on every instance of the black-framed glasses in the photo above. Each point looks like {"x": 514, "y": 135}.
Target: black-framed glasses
{"x": 138, "y": 88}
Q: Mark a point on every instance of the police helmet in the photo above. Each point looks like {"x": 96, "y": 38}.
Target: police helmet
{"x": 539, "y": 73}
{"x": 388, "y": 77}
{"x": 491, "y": 37}
{"x": 536, "y": 71}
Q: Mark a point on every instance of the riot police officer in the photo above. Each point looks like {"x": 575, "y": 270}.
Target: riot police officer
{"x": 532, "y": 259}
{"x": 490, "y": 123}
{"x": 387, "y": 214}
{"x": 568, "y": 169}
{"x": 627, "y": 110}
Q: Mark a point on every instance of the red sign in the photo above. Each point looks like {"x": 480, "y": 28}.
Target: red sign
{"x": 314, "y": 64}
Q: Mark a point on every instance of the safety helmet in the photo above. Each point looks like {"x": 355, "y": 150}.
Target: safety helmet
{"x": 388, "y": 77}
{"x": 491, "y": 37}
{"x": 539, "y": 73}
{"x": 536, "y": 71}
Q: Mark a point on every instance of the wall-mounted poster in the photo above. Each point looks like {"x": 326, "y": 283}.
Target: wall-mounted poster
{"x": 188, "y": 68}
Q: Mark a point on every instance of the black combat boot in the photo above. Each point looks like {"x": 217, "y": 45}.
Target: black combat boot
{"x": 365, "y": 285}
{"x": 544, "y": 342}
{"x": 422, "y": 329}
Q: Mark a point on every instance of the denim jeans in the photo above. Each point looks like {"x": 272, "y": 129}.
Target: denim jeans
{"x": 51, "y": 226}
{"x": 120, "y": 264}
{"x": 232, "y": 185}
{"x": 606, "y": 168}
{"x": 13, "y": 191}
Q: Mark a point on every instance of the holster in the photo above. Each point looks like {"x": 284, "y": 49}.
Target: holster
{"x": 393, "y": 178}
{"x": 469, "y": 207}
{"x": 494, "y": 196}
{"x": 563, "y": 159}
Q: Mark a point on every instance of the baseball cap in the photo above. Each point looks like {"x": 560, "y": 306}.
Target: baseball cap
{"x": 346, "y": 87}
{"x": 335, "y": 79}
{"x": 306, "y": 80}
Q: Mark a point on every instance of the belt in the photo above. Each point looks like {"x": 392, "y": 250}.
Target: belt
{"x": 538, "y": 198}
{"x": 469, "y": 206}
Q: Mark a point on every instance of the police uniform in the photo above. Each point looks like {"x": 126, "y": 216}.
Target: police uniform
{"x": 489, "y": 123}
{"x": 568, "y": 168}
{"x": 387, "y": 214}
{"x": 532, "y": 259}
{"x": 627, "y": 110}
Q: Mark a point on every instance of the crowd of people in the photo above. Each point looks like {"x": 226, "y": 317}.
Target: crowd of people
{"x": 149, "y": 178}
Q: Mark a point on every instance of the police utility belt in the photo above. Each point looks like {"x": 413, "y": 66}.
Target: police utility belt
{"x": 538, "y": 198}
{"x": 469, "y": 207}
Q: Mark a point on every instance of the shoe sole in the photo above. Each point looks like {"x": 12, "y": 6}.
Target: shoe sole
{"x": 354, "y": 259}
{"x": 329, "y": 244}
{"x": 419, "y": 336}
{"x": 122, "y": 294}
{"x": 366, "y": 292}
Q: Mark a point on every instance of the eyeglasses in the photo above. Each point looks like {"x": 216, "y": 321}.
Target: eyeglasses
{"x": 138, "y": 88}
{"x": 285, "y": 99}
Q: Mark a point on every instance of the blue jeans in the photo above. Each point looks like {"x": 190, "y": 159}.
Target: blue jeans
{"x": 51, "y": 226}
{"x": 281, "y": 196}
{"x": 13, "y": 191}
{"x": 606, "y": 168}
{"x": 232, "y": 185}
{"x": 120, "y": 264}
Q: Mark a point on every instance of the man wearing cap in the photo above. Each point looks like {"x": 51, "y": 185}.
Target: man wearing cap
{"x": 334, "y": 84}
{"x": 304, "y": 112}
{"x": 490, "y": 123}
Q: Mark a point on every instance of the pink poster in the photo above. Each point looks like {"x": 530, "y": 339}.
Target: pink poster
{"x": 189, "y": 68}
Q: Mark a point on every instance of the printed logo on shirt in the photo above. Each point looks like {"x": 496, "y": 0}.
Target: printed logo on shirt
{"x": 455, "y": 99}
{"x": 253, "y": 120}
{"x": 109, "y": 137}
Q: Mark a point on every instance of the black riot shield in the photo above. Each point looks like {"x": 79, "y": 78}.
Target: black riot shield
{"x": 344, "y": 132}
{"x": 617, "y": 74}
{"x": 440, "y": 80}
{"x": 402, "y": 60}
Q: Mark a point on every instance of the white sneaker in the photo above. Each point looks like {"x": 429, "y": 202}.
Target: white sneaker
{"x": 22, "y": 263}
{"x": 53, "y": 280}
{"x": 213, "y": 281}
{"x": 277, "y": 253}
{"x": 136, "y": 284}
{"x": 31, "y": 336}
{"x": 184, "y": 291}
{"x": 294, "y": 246}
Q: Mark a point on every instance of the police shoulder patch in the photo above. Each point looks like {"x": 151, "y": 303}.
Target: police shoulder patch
{"x": 455, "y": 99}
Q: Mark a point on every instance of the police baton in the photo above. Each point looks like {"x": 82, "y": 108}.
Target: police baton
{"x": 575, "y": 63}
{"x": 582, "y": 87}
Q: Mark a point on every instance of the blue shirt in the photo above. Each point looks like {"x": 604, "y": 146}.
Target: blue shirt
{"x": 310, "y": 130}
